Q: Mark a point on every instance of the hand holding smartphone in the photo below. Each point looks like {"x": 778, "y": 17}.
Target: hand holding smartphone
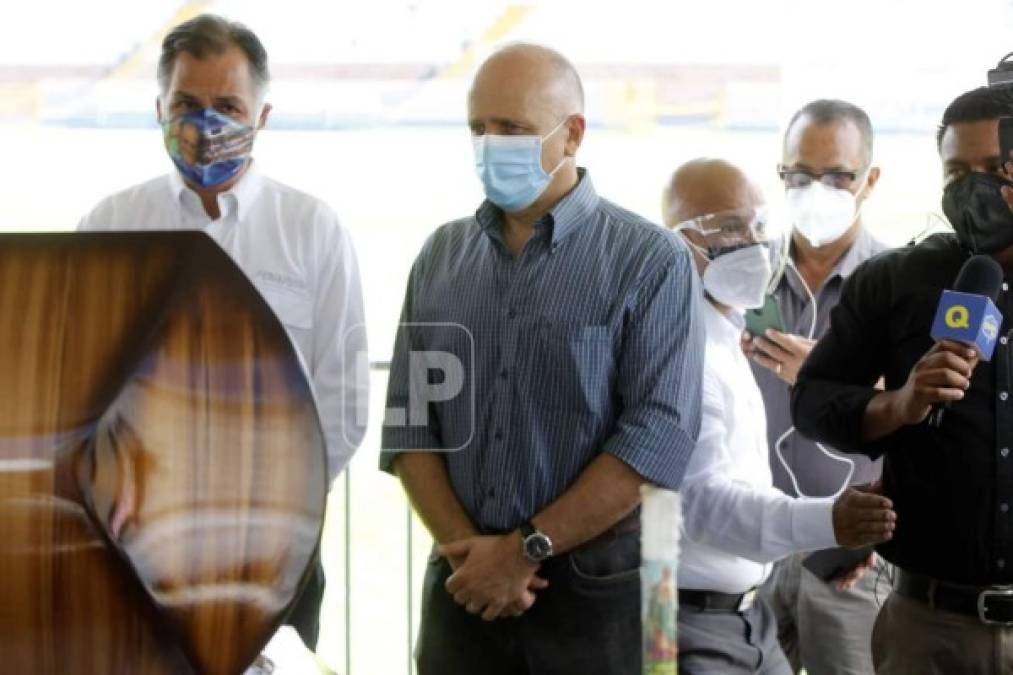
{"x": 760, "y": 319}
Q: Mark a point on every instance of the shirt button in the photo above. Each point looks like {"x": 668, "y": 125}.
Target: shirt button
{"x": 492, "y": 492}
{"x": 498, "y": 435}
{"x": 1000, "y": 563}
{"x": 511, "y": 313}
{"x": 1004, "y": 507}
{"x": 1004, "y": 452}
{"x": 503, "y": 373}
{"x": 1003, "y": 396}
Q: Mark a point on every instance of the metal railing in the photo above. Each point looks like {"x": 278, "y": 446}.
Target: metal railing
{"x": 376, "y": 367}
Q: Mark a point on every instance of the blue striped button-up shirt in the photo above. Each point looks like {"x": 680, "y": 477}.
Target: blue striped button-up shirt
{"x": 589, "y": 341}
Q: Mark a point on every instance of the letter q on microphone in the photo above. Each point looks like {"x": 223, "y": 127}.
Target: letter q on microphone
{"x": 971, "y": 319}
{"x": 968, "y": 314}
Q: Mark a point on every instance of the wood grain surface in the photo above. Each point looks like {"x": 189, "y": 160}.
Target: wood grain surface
{"x": 162, "y": 468}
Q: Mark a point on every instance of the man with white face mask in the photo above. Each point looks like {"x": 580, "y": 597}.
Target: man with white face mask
{"x": 584, "y": 349}
{"x": 735, "y": 522}
{"x": 828, "y": 174}
{"x": 213, "y": 78}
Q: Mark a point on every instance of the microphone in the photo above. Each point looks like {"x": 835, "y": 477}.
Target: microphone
{"x": 968, "y": 314}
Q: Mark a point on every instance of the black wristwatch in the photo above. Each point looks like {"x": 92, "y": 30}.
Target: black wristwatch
{"x": 537, "y": 545}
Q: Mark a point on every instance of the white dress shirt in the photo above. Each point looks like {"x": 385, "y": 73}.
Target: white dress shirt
{"x": 735, "y": 523}
{"x": 295, "y": 252}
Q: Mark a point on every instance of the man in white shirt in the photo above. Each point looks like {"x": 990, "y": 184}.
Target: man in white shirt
{"x": 735, "y": 522}
{"x": 213, "y": 78}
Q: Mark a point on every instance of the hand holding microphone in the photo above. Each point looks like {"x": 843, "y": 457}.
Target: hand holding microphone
{"x": 966, "y": 328}
{"x": 942, "y": 375}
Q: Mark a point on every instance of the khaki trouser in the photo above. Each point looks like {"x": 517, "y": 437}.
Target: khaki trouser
{"x": 911, "y": 638}
{"x": 822, "y": 629}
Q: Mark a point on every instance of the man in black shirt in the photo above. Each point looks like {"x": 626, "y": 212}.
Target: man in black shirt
{"x": 952, "y": 486}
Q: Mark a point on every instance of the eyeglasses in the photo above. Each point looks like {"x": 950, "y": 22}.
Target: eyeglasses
{"x": 715, "y": 234}
{"x": 800, "y": 178}
{"x": 730, "y": 228}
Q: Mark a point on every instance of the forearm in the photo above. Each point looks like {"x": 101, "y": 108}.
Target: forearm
{"x": 425, "y": 480}
{"x": 881, "y": 418}
{"x": 753, "y": 522}
{"x": 606, "y": 492}
{"x": 832, "y": 411}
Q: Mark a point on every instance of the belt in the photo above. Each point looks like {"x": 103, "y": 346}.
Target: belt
{"x": 712, "y": 601}
{"x": 990, "y": 604}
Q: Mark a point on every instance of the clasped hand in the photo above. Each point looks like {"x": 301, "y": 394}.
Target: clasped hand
{"x": 491, "y": 577}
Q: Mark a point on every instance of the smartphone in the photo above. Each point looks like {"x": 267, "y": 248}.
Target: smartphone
{"x": 833, "y": 563}
{"x": 758, "y": 320}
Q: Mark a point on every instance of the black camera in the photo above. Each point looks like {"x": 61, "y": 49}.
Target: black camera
{"x": 1001, "y": 78}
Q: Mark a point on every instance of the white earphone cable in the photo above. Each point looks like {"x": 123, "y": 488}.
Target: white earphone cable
{"x": 777, "y": 445}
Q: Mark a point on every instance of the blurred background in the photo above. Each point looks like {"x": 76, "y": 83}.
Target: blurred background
{"x": 369, "y": 107}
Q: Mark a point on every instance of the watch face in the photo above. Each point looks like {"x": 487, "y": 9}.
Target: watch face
{"x": 537, "y": 547}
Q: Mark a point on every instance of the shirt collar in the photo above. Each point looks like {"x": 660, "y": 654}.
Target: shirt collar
{"x": 574, "y": 209}
{"x": 864, "y": 247}
{"x": 723, "y": 328}
{"x": 239, "y": 197}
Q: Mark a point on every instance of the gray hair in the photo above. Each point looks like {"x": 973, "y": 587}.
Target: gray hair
{"x": 826, "y": 111}
{"x": 210, "y": 34}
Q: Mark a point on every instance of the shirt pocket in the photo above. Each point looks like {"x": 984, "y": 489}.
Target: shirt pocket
{"x": 294, "y": 307}
{"x": 571, "y": 367}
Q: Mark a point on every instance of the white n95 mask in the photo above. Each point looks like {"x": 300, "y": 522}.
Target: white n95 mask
{"x": 739, "y": 278}
{"x": 821, "y": 214}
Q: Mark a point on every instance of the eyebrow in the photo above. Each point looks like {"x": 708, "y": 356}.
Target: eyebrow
{"x": 991, "y": 159}
{"x": 806, "y": 167}
{"x": 505, "y": 121}
{"x": 233, "y": 100}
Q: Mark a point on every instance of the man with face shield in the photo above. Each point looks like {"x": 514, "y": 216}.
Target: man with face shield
{"x": 586, "y": 350}
{"x": 736, "y": 523}
{"x": 213, "y": 78}
{"x": 828, "y": 173}
{"x": 952, "y": 481}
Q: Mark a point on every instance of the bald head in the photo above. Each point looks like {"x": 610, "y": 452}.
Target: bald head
{"x": 528, "y": 80}
{"x": 703, "y": 186}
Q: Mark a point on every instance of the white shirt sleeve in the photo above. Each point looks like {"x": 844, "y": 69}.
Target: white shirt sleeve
{"x": 339, "y": 363}
{"x": 750, "y": 519}
{"x": 96, "y": 219}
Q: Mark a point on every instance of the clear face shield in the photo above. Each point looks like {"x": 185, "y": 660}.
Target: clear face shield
{"x": 732, "y": 277}
{"x": 754, "y": 247}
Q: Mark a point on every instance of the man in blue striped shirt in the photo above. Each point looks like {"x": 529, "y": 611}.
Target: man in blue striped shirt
{"x": 548, "y": 364}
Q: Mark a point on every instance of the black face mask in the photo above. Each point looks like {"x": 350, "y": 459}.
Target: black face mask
{"x": 975, "y": 207}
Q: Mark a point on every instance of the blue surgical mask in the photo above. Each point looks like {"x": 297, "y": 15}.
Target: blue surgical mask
{"x": 207, "y": 147}
{"x": 510, "y": 168}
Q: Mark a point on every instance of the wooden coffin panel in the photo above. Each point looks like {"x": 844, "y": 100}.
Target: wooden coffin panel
{"x": 162, "y": 467}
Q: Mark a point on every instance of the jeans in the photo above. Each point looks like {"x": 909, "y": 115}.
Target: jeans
{"x": 587, "y": 621}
